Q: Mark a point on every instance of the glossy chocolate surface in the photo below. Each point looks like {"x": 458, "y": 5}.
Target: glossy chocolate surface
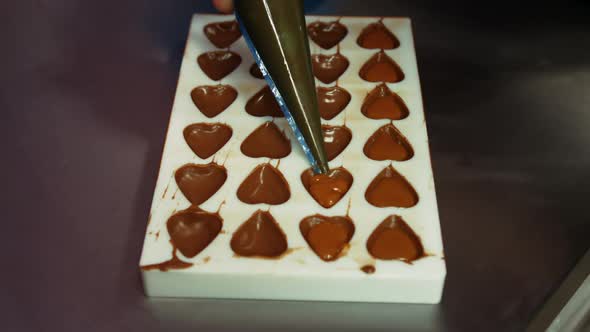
{"x": 266, "y": 141}
{"x": 205, "y": 139}
{"x": 327, "y": 236}
{"x": 260, "y": 235}
{"x": 218, "y": 64}
{"x": 255, "y": 71}
{"x": 327, "y": 34}
{"x": 199, "y": 182}
{"x": 263, "y": 103}
{"x": 213, "y": 99}
{"x": 382, "y": 103}
{"x": 265, "y": 184}
{"x": 222, "y": 34}
{"x": 394, "y": 239}
{"x": 328, "y": 67}
{"x": 381, "y": 68}
{"x": 192, "y": 230}
{"x": 332, "y": 100}
{"x": 327, "y": 189}
{"x": 391, "y": 189}
{"x": 387, "y": 143}
{"x": 376, "y": 35}
{"x": 336, "y": 139}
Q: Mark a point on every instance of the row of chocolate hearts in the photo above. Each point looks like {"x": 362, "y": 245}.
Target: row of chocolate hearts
{"x": 266, "y": 185}
{"x": 324, "y": 34}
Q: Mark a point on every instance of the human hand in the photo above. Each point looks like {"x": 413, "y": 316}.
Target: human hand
{"x": 224, "y": 6}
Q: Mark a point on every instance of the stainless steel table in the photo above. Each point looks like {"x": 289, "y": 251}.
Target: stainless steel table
{"x": 86, "y": 90}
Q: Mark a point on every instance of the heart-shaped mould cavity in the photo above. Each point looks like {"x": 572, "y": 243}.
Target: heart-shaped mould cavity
{"x": 376, "y": 35}
{"x": 327, "y": 236}
{"x": 199, "y": 182}
{"x": 222, "y": 34}
{"x": 213, "y": 99}
{"x": 391, "y": 189}
{"x": 218, "y": 64}
{"x": 266, "y": 141}
{"x": 255, "y": 71}
{"x": 331, "y": 101}
{"x": 205, "y": 139}
{"x": 260, "y": 235}
{"x": 336, "y": 139}
{"x": 327, "y": 34}
{"x": 192, "y": 230}
{"x": 387, "y": 143}
{"x": 327, "y": 189}
{"x": 381, "y": 68}
{"x": 382, "y": 103}
{"x": 328, "y": 67}
{"x": 263, "y": 103}
{"x": 265, "y": 184}
{"x": 394, "y": 239}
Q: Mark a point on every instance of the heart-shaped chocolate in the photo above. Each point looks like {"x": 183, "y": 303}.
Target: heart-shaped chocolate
{"x": 331, "y": 101}
{"x": 199, "y": 182}
{"x": 382, "y": 103}
{"x": 394, "y": 239}
{"x": 387, "y": 143}
{"x": 381, "y": 68}
{"x": 336, "y": 139}
{"x": 222, "y": 34}
{"x": 265, "y": 184}
{"x": 327, "y": 189}
{"x": 263, "y": 103}
{"x": 376, "y": 35}
{"x": 192, "y": 230}
{"x": 255, "y": 71}
{"x": 218, "y": 64}
{"x": 391, "y": 189}
{"x": 327, "y": 68}
{"x": 266, "y": 141}
{"x": 260, "y": 235}
{"x": 327, "y": 236}
{"x": 327, "y": 34}
{"x": 205, "y": 139}
{"x": 213, "y": 99}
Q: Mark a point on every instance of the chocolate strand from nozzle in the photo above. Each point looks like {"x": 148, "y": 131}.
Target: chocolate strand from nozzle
{"x": 277, "y": 30}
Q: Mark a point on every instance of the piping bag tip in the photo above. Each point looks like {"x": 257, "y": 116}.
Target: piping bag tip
{"x": 276, "y": 34}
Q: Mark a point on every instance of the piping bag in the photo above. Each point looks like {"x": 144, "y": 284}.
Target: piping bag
{"x": 276, "y": 34}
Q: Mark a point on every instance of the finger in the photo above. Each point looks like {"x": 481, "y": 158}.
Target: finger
{"x": 224, "y": 6}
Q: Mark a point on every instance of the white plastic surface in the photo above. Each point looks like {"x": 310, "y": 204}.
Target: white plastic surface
{"x": 299, "y": 275}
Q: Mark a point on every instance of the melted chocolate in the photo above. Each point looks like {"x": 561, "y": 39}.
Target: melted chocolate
{"x": 213, "y": 99}
{"x": 199, "y": 182}
{"x": 381, "y": 68}
{"x": 205, "y": 139}
{"x": 336, "y": 139}
{"x": 263, "y": 103}
{"x": 387, "y": 143}
{"x": 327, "y": 68}
{"x": 331, "y": 101}
{"x": 192, "y": 230}
{"x": 382, "y": 103}
{"x": 173, "y": 263}
{"x": 376, "y": 35}
{"x": 327, "y": 34}
{"x": 327, "y": 189}
{"x": 218, "y": 64}
{"x": 222, "y": 34}
{"x": 265, "y": 184}
{"x": 266, "y": 141}
{"x": 394, "y": 239}
{"x": 368, "y": 269}
{"x": 327, "y": 236}
{"x": 391, "y": 189}
{"x": 260, "y": 236}
{"x": 255, "y": 71}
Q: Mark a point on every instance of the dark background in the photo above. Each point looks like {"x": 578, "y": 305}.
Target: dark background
{"x": 85, "y": 95}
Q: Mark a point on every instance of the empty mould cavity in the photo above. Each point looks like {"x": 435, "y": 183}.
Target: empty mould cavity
{"x": 265, "y": 184}
{"x": 391, "y": 189}
{"x": 376, "y": 35}
{"x": 329, "y": 67}
{"x": 331, "y": 101}
{"x": 255, "y": 71}
{"x": 260, "y": 235}
{"x": 394, "y": 239}
{"x": 222, "y": 34}
{"x": 327, "y": 189}
{"x": 336, "y": 139}
{"x": 213, "y": 99}
{"x": 382, "y": 103}
{"x": 266, "y": 141}
{"x": 218, "y": 64}
{"x": 387, "y": 143}
{"x": 263, "y": 103}
{"x": 381, "y": 68}
{"x": 205, "y": 139}
{"x": 327, "y": 236}
{"x": 192, "y": 230}
{"x": 199, "y": 182}
{"x": 327, "y": 34}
